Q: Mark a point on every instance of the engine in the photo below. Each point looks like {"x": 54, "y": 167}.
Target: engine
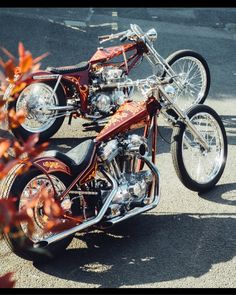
{"x": 121, "y": 157}
{"x": 105, "y": 102}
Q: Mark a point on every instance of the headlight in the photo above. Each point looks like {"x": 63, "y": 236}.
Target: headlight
{"x": 152, "y": 34}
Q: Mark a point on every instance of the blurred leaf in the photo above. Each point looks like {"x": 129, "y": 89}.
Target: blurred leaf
{"x": 10, "y": 69}
{"x": 26, "y": 63}
{"x": 4, "y": 145}
{"x": 8, "y": 53}
{"x": 2, "y": 102}
{"x": 16, "y": 118}
{"x": 39, "y": 58}
{"x": 21, "y": 50}
{"x": 18, "y": 88}
{"x": 2, "y": 63}
{"x": 9, "y": 217}
{"x": 6, "y": 281}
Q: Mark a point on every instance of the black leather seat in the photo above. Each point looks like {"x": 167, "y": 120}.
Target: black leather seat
{"x": 78, "y": 158}
{"x": 82, "y": 66}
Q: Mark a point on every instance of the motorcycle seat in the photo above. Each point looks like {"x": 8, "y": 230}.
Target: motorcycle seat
{"x": 77, "y": 159}
{"x": 82, "y": 66}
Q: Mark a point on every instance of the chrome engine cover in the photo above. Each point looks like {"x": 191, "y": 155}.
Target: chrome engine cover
{"x": 133, "y": 186}
{"x": 102, "y": 102}
{"x": 107, "y": 101}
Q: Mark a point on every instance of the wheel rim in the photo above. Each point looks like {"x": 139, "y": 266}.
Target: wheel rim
{"x": 203, "y": 166}
{"x": 38, "y": 217}
{"x": 191, "y": 79}
{"x": 35, "y": 100}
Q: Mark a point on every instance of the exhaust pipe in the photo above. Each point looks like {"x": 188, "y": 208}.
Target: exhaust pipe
{"x": 68, "y": 232}
{"x": 62, "y": 108}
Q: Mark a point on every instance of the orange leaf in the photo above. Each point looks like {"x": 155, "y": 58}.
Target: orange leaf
{"x": 18, "y": 88}
{"x": 2, "y": 102}
{"x": 16, "y": 118}
{"x": 17, "y": 71}
{"x": 30, "y": 143}
{"x": 7, "y": 209}
{"x": 10, "y": 69}
{"x": 4, "y": 145}
{"x": 26, "y": 63}
{"x": 6, "y": 281}
{"x": 2, "y": 116}
{"x": 17, "y": 148}
{"x": 21, "y": 50}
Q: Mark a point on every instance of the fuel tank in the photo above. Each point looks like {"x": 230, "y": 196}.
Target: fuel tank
{"x": 130, "y": 115}
{"x": 105, "y": 54}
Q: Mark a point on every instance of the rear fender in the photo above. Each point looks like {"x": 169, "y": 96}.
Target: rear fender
{"x": 44, "y": 75}
{"x": 15, "y": 88}
{"x": 51, "y": 165}
{"x": 40, "y": 77}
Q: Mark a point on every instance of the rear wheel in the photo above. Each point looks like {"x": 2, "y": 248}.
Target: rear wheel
{"x": 20, "y": 239}
{"x": 35, "y": 99}
{"x": 197, "y": 168}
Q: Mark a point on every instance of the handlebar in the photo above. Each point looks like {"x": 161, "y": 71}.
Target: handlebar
{"x": 100, "y": 38}
{"x": 105, "y": 38}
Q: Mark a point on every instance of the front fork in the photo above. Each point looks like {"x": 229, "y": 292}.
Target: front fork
{"x": 185, "y": 120}
{"x": 146, "y": 133}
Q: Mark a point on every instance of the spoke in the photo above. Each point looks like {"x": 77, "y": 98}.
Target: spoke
{"x": 192, "y": 81}
{"x": 202, "y": 166}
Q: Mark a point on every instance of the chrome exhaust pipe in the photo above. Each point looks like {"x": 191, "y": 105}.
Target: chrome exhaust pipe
{"x": 68, "y": 232}
{"x": 138, "y": 210}
{"x": 62, "y": 108}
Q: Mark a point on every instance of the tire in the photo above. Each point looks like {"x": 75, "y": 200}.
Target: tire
{"x": 18, "y": 241}
{"x": 186, "y": 98}
{"x": 184, "y": 158}
{"x": 50, "y": 127}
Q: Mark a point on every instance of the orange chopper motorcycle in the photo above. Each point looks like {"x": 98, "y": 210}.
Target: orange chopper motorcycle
{"x": 72, "y": 91}
{"x": 111, "y": 178}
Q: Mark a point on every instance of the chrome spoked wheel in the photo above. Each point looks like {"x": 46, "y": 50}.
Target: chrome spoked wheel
{"x": 37, "y": 214}
{"x": 200, "y": 169}
{"x": 35, "y": 100}
{"x": 202, "y": 165}
{"x": 191, "y": 78}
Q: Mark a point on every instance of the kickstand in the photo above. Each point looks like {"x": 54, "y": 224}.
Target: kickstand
{"x": 73, "y": 115}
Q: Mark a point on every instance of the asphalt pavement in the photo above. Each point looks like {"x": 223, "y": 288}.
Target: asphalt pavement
{"x": 189, "y": 240}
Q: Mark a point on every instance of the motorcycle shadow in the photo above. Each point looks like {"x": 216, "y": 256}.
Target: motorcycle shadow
{"x": 146, "y": 250}
{"x": 230, "y": 126}
{"x": 223, "y": 194}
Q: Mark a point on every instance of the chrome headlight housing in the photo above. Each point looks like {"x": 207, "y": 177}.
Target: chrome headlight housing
{"x": 151, "y": 35}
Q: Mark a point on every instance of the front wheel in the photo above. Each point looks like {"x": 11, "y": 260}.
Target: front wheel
{"x": 191, "y": 76}
{"x": 36, "y": 99}
{"x": 197, "y": 168}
